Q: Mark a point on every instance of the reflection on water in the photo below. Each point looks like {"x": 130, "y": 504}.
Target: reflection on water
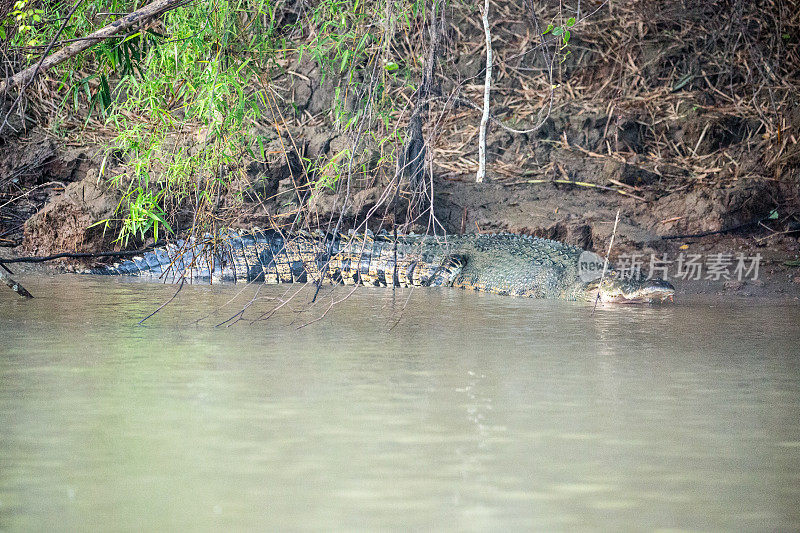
{"x": 471, "y": 412}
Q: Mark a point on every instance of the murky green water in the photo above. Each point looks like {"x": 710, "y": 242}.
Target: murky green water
{"x": 471, "y": 412}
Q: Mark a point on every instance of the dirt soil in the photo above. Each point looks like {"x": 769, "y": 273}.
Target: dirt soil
{"x": 689, "y": 172}
{"x": 574, "y": 214}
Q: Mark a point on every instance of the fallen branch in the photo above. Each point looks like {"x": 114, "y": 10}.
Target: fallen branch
{"x": 459, "y": 101}
{"x": 14, "y": 285}
{"x": 717, "y": 232}
{"x": 77, "y": 255}
{"x": 36, "y": 68}
{"x": 26, "y": 193}
{"x": 579, "y": 184}
{"x": 120, "y": 25}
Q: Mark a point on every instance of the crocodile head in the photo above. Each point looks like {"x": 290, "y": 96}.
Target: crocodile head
{"x": 617, "y": 289}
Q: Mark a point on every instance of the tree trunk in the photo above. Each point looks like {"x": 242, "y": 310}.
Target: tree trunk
{"x": 487, "y": 86}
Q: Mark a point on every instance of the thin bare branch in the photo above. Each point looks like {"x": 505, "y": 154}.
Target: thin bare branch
{"x": 150, "y": 10}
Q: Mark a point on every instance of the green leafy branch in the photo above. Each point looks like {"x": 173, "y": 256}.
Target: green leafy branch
{"x": 563, "y": 32}
{"x": 24, "y": 16}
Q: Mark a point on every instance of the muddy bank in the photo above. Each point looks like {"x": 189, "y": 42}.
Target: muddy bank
{"x": 57, "y": 198}
{"x": 636, "y": 118}
{"x": 578, "y": 215}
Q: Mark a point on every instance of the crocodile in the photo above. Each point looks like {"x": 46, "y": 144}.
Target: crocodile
{"x": 503, "y": 263}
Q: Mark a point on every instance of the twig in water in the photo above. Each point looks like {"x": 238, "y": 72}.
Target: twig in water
{"x": 400, "y": 316}
{"x": 162, "y": 306}
{"x": 14, "y": 285}
{"x": 605, "y": 263}
{"x": 236, "y": 317}
{"x": 333, "y": 302}
{"x": 221, "y": 307}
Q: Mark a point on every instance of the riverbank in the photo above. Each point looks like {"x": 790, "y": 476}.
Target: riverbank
{"x": 631, "y": 115}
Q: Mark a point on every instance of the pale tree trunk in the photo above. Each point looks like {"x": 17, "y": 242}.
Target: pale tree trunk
{"x": 487, "y": 86}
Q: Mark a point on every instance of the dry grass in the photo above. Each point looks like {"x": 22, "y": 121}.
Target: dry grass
{"x": 707, "y": 90}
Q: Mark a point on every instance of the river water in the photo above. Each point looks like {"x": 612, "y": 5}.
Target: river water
{"x": 434, "y": 408}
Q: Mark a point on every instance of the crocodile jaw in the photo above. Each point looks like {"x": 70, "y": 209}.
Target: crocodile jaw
{"x": 630, "y": 291}
{"x": 650, "y": 291}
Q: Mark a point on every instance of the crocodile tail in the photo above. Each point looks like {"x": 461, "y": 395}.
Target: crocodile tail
{"x": 182, "y": 261}
{"x": 262, "y": 256}
{"x": 265, "y": 256}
